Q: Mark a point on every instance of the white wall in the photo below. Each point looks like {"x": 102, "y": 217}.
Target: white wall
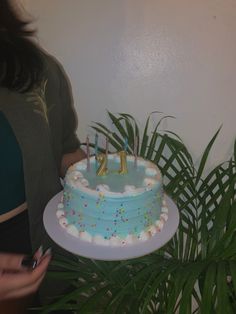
{"x": 137, "y": 56}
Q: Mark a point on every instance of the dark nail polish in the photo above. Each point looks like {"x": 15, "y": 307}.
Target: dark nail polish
{"x": 29, "y": 262}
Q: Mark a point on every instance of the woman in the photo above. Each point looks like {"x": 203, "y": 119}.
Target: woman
{"x": 37, "y": 133}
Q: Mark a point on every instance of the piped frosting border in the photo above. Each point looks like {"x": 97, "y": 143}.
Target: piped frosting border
{"x": 113, "y": 241}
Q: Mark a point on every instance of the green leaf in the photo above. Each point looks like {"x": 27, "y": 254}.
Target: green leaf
{"x": 120, "y": 128}
{"x": 223, "y": 303}
{"x": 205, "y": 156}
{"x": 71, "y": 296}
{"x": 232, "y": 266}
{"x": 153, "y": 289}
{"x": 194, "y": 270}
{"x": 208, "y": 301}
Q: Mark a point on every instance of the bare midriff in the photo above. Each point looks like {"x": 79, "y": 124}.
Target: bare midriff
{"x": 14, "y": 212}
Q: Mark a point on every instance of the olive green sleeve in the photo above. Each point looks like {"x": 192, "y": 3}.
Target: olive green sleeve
{"x": 70, "y": 141}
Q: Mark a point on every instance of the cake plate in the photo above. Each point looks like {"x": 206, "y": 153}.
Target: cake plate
{"x": 107, "y": 253}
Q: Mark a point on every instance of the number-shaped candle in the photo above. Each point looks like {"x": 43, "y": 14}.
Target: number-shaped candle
{"x": 123, "y": 162}
{"x": 102, "y": 160}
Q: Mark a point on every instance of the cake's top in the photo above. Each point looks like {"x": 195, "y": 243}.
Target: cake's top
{"x": 140, "y": 177}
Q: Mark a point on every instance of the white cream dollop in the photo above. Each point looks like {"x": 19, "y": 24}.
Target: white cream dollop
{"x": 63, "y": 222}
{"x": 77, "y": 175}
{"x": 159, "y": 224}
{"x": 84, "y": 235}
{"x": 130, "y": 188}
{"x": 148, "y": 182}
{"x": 144, "y": 236}
{"x": 98, "y": 239}
{"x": 60, "y": 205}
{"x": 130, "y": 239}
{"x": 102, "y": 188}
{"x": 81, "y": 166}
{"x": 151, "y": 172}
{"x": 60, "y": 213}
{"x": 153, "y": 230}
{"x": 84, "y": 182}
{"x": 71, "y": 229}
{"x": 164, "y": 217}
{"x": 164, "y": 210}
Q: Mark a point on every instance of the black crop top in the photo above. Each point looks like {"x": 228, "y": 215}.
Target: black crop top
{"x": 12, "y": 187}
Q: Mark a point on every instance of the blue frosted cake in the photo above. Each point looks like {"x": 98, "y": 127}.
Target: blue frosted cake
{"x": 115, "y": 208}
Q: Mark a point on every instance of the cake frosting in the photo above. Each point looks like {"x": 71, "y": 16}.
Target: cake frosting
{"x": 113, "y": 209}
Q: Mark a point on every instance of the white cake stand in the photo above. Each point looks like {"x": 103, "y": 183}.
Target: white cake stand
{"x": 106, "y": 253}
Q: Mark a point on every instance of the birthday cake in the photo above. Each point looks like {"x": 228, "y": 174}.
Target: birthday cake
{"x": 109, "y": 204}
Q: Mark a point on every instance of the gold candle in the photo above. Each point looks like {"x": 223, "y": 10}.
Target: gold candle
{"x": 102, "y": 169}
{"x": 123, "y": 162}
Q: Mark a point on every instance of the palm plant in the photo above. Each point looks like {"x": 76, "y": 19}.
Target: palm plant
{"x": 195, "y": 272}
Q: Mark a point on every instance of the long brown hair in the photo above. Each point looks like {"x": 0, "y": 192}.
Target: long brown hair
{"x": 21, "y": 62}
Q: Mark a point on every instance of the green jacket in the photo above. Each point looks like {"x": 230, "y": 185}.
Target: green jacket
{"x": 44, "y": 124}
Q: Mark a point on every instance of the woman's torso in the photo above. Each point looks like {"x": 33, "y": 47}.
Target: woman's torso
{"x": 12, "y": 188}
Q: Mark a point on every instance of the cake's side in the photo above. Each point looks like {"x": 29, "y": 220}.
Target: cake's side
{"x": 116, "y": 209}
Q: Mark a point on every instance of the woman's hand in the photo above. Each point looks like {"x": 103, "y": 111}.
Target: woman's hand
{"x": 69, "y": 159}
{"x": 20, "y": 276}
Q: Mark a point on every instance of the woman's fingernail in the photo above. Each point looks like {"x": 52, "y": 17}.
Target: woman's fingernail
{"x": 40, "y": 251}
{"x": 48, "y": 252}
{"x": 29, "y": 262}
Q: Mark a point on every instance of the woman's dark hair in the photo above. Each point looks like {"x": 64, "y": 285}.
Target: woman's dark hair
{"x": 21, "y": 64}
